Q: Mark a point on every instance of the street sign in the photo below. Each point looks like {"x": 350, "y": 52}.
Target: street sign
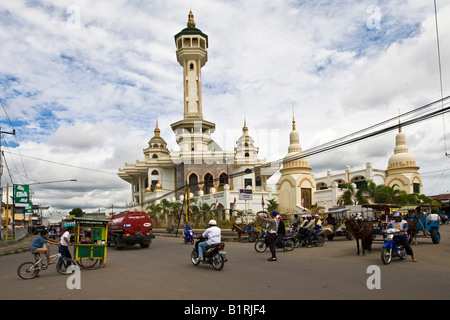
{"x": 245, "y": 194}
{"x": 21, "y": 194}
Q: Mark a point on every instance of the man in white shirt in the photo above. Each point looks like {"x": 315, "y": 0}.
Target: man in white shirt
{"x": 213, "y": 233}
{"x": 65, "y": 243}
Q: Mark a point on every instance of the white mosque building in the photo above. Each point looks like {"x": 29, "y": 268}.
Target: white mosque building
{"x": 238, "y": 179}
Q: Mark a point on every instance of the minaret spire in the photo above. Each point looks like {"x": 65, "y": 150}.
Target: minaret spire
{"x": 293, "y": 117}
{"x": 157, "y": 131}
{"x": 191, "y": 22}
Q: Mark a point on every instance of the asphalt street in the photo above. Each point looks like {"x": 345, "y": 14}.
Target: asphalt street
{"x": 164, "y": 272}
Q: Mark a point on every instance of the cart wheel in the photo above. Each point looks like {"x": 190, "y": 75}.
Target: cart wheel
{"x": 91, "y": 259}
{"x": 435, "y": 236}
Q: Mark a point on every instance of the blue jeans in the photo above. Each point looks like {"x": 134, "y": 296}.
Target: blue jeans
{"x": 201, "y": 246}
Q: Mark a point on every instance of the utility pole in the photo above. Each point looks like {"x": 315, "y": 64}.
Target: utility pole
{"x": 1, "y": 189}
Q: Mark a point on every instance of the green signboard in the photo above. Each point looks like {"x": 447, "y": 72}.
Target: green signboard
{"x": 21, "y": 194}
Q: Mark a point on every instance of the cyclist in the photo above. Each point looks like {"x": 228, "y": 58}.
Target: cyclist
{"x": 39, "y": 245}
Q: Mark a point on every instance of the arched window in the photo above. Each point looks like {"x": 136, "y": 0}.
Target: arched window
{"x": 193, "y": 183}
{"x": 223, "y": 179}
{"x": 155, "y": 156}
{"x": 208, "y": 183}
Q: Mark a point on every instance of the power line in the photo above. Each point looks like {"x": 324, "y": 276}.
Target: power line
{"x": 440, "y": 72}
{"x": 63, "y": 164}
{"x": 340, "y": 142}
{"x": 15, "y": 137}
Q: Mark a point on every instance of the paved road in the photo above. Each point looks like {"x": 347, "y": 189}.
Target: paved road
{"x": 164, "y": 271}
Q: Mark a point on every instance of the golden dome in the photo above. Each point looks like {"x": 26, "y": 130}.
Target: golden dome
{"x": 401, "y": 157}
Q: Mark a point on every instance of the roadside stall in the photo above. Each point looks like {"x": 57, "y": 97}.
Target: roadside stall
{"x": 90, "y": 242}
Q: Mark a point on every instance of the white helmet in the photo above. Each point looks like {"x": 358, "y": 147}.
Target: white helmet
{"x": 212, "y": 222}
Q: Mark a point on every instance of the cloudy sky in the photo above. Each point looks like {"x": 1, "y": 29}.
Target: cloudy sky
{"x": 82, "y": 82}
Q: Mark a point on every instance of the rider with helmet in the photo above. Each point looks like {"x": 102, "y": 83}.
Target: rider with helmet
{"x": 213, "y": 233}
{"x": 399, "y": 224}
{"x": 308, "y": 227}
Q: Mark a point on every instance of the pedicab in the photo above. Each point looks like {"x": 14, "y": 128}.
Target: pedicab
{"x": 382, "y": 215}
{"x": 421, "y": 214}
{"x": 90, "y": 242}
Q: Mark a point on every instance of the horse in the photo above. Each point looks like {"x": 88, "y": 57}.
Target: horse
{"x": 412, "y": 230}
{"x": 361, "y": 231}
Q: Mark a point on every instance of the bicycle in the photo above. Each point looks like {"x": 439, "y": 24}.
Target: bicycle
{"x": 30, "y": 270}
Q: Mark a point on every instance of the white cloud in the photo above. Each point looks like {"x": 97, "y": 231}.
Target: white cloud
{"x": 90, "y": 96}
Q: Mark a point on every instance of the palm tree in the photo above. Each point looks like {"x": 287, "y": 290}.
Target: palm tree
{"x": 370, "y": 192}
{"x": 153, "y": 212}
{"x": 315, "y": 208}
{"x": 391, "y": 193}
{"x": 348, "y": 197}
{"x": 272, "y": 206}
{"x": 405, "y": 198}
{"x": 165, "y": 210}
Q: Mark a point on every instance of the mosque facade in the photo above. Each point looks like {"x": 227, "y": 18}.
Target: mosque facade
{"x": 238, "y": 179}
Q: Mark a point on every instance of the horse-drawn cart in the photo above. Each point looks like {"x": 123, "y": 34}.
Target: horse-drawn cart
{"x": 334, "y": 223}
{"x": 252, "y": 231}
{"x": 420, "y": 214}
{"x": 380, "y": 215}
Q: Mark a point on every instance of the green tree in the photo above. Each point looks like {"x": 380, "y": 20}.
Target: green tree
{"x": 272, "y": 205}
{"x": 77, "y": 212}
{"x": 349, "y": 195}
{"x": 370, "y": 192}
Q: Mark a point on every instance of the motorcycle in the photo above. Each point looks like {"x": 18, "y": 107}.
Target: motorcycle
{"x": 301, "y": 238}
{"x": 286, "y": 243}
{"x": 188, "y": 237}
{"x": 214, "y": 255}
{"x": 391, "y": 247}
{"x": 170, "y": 230}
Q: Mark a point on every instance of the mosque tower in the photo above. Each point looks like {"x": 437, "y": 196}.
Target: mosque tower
{"x": 193, "y": 133}
{"x": 402, "y": 169}
{"x": 296, "y": 186}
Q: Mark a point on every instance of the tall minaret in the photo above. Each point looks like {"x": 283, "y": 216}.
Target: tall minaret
{"x": 193, "y": 132}
{"x": 192, "y": 55}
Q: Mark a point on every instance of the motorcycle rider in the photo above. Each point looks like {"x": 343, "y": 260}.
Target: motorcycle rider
{"x": 399, "y": 224}
{"x": 271, "y": 229}
{"x": 317, "y": 225}
{"x": 308, "y": 227}
{"x": 295, "y": 223}
{"x": 186, "y": 229}
{"x": 213, "y": 233}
